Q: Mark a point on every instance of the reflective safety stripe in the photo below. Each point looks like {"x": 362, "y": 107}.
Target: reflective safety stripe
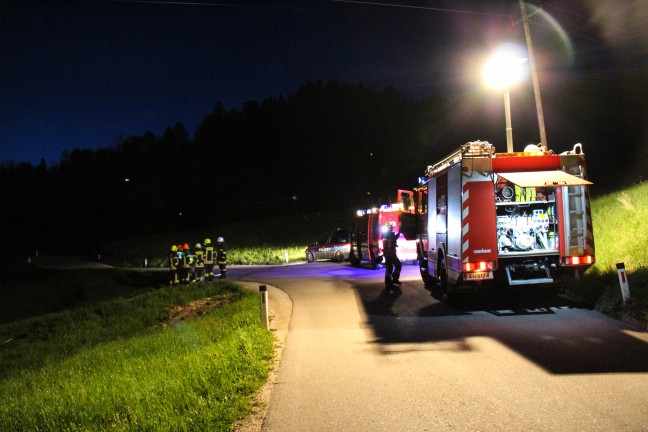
{"x": 209, "y": 255}
{"x": 200, "y": 261}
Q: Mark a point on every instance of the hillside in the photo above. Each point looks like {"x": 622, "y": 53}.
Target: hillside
{"x": 620, "y": 236}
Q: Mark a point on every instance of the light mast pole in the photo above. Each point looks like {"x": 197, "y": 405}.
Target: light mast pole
{"x": 534, "y": 77}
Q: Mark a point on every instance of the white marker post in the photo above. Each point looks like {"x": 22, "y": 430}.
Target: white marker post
{"x": 263, "y": 291}
{"x": 623, "y": 281}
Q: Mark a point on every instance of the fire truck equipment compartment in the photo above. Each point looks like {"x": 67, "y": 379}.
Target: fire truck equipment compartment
{"x": 543, "y": 178}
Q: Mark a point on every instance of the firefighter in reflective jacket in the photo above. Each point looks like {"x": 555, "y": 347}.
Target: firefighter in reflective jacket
{"x": 187, "y": 263}
{"x": 181, "y": 269}
{"x": 209, "y": 260}
{"x": 199, "y": 263}
{"x": 173, "y": 265}
{"x": 221, "y": 256}
{"x": 392, "y": 263}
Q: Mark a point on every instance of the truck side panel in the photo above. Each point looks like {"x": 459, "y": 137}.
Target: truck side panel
{"x": 577, "y": 221}
{"x": 432, "y": 252}
{"x": 578, "y": 216}
{"x": 479, "y": 222}
{"x": 453, "y": 258}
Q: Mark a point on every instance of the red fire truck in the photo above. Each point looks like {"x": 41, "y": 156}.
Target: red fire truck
{"x": 368, "y": 227}
{"x": 503, "y": 219}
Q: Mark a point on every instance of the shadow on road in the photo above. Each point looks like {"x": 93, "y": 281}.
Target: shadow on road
{"x": 553, "y": 332}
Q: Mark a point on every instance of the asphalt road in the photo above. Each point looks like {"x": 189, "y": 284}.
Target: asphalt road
{"x": 357, "y": 358}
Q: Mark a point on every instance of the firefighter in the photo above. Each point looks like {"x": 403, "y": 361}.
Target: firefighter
{"x": 392, "y": 263}
{"x": 199, "y": 263}
{"x": 221, "y": 256}
{"x": 209, "y": 260}
{"x": 181, "y": 269}
{"x": 173, "y": 265}
{"x": 187, "y": 264}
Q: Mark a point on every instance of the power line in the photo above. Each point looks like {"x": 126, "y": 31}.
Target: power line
{"x": 461, "y": 11}
{"x": 569, "y": 12}
{"x": 187, "y": 3}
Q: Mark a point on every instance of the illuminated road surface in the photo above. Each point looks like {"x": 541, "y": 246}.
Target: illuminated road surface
{"x": 359, "y": 359}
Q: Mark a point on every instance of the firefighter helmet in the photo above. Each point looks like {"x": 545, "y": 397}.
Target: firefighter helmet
{"x": 186, "y": 246}
{"x": 207, "y": 241}
{"x": 180, "y": 247}
{"x": 174, "y": 248}
{"x": 220, "y": 239}
{"x": 198, "y": 246}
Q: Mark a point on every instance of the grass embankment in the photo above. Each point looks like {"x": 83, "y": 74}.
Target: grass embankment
{"x": 115, "y": 354}
{"x": 252, "y": 242}
{"x": 621, "y": 235}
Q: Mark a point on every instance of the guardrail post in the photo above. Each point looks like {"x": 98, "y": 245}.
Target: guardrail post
{"x": 263, "y": 291}
{"x": 623, "y": 281}
{"x": 286, "y": 257}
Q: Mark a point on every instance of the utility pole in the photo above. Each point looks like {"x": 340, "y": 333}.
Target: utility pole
{"x": 534, "y": 77}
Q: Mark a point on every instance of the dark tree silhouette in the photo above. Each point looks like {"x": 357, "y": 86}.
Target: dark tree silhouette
{"x": 325, "y": 146}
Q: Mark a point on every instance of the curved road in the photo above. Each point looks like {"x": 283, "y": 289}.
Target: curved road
{"x": 357, "y": 358}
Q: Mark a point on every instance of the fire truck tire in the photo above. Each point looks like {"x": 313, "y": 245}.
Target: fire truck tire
{"x": 310, "y": 257}
{"x": 446, "y": 289}
{"x": 563, "y": 285}
{"x": 425, "y": 276}
{"x": 354, "y": 259}
{"x": 339, "y": 256}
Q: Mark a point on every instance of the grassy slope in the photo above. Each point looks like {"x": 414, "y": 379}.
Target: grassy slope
{"x": 251, "y": 242}
{"x": 100, "y": 355}
{"x": 621, "y": 236}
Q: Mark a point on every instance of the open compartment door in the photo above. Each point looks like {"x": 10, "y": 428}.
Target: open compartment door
{"x": 543, "y": 179}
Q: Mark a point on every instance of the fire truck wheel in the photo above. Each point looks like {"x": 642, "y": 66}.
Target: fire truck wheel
{"x": 448, "y": 297}
{"x": 354, "y": 259}
{"x": 339, "y": 256}
{"x": 425, "y": 276}
{"x": 310, "y": 257}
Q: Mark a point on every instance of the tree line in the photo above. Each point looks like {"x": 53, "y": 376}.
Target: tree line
{"x": 325, "y": 146}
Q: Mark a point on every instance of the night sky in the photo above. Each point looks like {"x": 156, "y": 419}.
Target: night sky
{"x": 85, "y": 73}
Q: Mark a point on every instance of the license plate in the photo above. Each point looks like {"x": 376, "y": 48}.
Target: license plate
{"x": 478, "y": 275}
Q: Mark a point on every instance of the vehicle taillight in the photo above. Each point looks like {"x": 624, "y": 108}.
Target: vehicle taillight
{"x": 478, "y": 266}
{"x": 579, "y": 260}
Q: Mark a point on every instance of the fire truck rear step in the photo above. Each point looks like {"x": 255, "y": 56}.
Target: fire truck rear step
{"x": 529, "y": 274}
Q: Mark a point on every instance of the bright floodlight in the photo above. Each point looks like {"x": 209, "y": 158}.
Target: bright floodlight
{"x": 503, "y": 70}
